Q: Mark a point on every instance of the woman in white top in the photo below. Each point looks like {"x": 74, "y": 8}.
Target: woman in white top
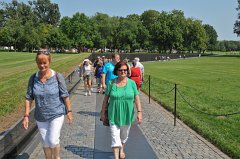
{"x": 87, "y": 76}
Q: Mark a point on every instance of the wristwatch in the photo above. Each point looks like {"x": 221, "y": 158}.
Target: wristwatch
{"x": 69, "y": 110}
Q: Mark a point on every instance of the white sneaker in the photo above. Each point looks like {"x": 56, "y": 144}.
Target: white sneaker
{"x": 89, "y": 93}
{"x": 85, "y": 93}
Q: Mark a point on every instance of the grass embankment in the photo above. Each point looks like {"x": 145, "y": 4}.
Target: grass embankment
{"x": 210, "y": 85}
{"x": 16, "y": 68}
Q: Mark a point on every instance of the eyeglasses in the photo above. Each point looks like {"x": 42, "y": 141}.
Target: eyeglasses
{"x": 43, "y": 52}
{"x": 122, "y": 70}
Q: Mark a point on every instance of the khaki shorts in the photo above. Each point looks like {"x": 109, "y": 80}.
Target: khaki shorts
{"x": 98, "y": 80}
{"x": 87, "y": 78}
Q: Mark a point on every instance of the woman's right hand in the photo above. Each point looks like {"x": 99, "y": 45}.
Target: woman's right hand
{"x": 102, "y": 116}
{"x": 103, "y": 86}
{"x": 70, "y": 118}
{"x": 25, "y": 122}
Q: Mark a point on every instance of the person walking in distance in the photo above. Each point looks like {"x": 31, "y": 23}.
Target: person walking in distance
{"x": 121, "y": 93}
{"x": 140, "y": 65}
{"x": 49, "y": 91}
{"x": 98, "y": 72}
{"x": 87, "y": 71}
{"x": 136, "y": 74}
{"x": 107, "y": 73}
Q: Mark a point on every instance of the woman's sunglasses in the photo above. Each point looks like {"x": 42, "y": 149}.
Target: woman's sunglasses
{"x": 43, "y": 52}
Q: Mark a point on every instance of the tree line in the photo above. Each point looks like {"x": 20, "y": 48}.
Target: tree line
{"x": 38, "y": 24}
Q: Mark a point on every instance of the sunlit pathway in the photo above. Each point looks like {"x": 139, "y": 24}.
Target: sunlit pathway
{"x": 157, "y": 137}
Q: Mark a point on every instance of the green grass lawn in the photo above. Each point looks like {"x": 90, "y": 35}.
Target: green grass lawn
{"x": 16, "y": 68}
{"x": 224, "y": 52}
{"x": 209, "y": 84}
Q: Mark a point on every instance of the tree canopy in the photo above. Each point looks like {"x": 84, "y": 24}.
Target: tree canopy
{"x": 39, "y": 24}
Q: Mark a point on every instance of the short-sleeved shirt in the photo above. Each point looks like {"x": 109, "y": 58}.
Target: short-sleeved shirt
{"x": 48, "y": 96}
{"x": 108, "y": 71}
{"x": 87, "y": 70}
{"x": 140, "y": 65}
{"x": 121, "y": 102}
{"x": 99, "y": 71}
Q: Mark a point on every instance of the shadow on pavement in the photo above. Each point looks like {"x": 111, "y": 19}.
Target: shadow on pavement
{"x": 22, "y": 156}
{"x": 85, "y": 152}
{"x": 86, "y": 113}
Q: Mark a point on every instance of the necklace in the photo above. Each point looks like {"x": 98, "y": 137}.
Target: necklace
{"x": 44, "y": 77}
{"x": 121, "y": 83}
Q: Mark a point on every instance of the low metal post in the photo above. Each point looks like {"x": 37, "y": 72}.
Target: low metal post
{"x": 175, "y": 104}
{"x": 71, "y": 76}
{"x": 149, "y": 88}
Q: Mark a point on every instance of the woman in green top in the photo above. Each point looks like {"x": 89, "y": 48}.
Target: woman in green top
{"x": 121, "y": 93}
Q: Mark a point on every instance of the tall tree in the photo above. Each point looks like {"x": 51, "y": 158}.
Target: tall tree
{"x": 195, "y": 37}
{"x": 32, "y": 37}
{"x": 127, "y": 32}
{"x": 56, "y": 39}
{"x": 47, "y": 12}
{"x": 162, "y": 31}
{"x": 149, "y": 17}
{"x": 112, "y": 40}
{"x": 236, "y": 28}
{"x": 150, "y": 20}
{"x": 176, "y": 22}
{"x": 11, "y": 34}
{"x": 65, "y": 25}
{"x": 212, "y": 37}
{"x": 142, "y": 34}
{"x": 81, "y": 31}
{"x": 16, "y": 11}
{"x": 104, "y": 30}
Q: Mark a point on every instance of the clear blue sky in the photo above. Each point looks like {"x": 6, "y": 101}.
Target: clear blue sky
{"x": 221, "y": 14}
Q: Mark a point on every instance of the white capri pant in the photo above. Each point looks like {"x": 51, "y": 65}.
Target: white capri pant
{"x": 119, "y": 135}
{"x": 50, "y": 131}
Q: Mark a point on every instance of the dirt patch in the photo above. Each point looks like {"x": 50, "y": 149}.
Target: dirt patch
{"x": 10, "y": 119}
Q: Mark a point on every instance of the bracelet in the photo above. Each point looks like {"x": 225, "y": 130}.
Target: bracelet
{"x": 70, "y": 110}
{"x": 139, "y": 111}
{"x": 26, "y": 116}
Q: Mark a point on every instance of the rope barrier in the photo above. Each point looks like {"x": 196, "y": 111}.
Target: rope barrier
{"x": 193, "y": 107}
{"x": 145, "y": 81}
{"x": 167, "y": 91}
{"x": 228, "y": 114}
{"x": 157, "y": 85}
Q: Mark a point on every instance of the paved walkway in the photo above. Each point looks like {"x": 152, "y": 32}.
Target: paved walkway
{"x": 155, "y": 138}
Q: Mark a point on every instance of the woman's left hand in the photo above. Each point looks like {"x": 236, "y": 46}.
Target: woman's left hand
{"x": 139, "y": 117}
{"x": 70, "y": 118}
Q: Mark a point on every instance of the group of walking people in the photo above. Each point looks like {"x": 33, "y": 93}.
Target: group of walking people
{"x": 119, "y": 83}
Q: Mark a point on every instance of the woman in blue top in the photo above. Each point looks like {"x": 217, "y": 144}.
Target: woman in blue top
{"x": 49, "y": 91}
{"x": 98, "y": 72}
{"x": 121, "y": 93}
{"x": 107, "y": 73}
